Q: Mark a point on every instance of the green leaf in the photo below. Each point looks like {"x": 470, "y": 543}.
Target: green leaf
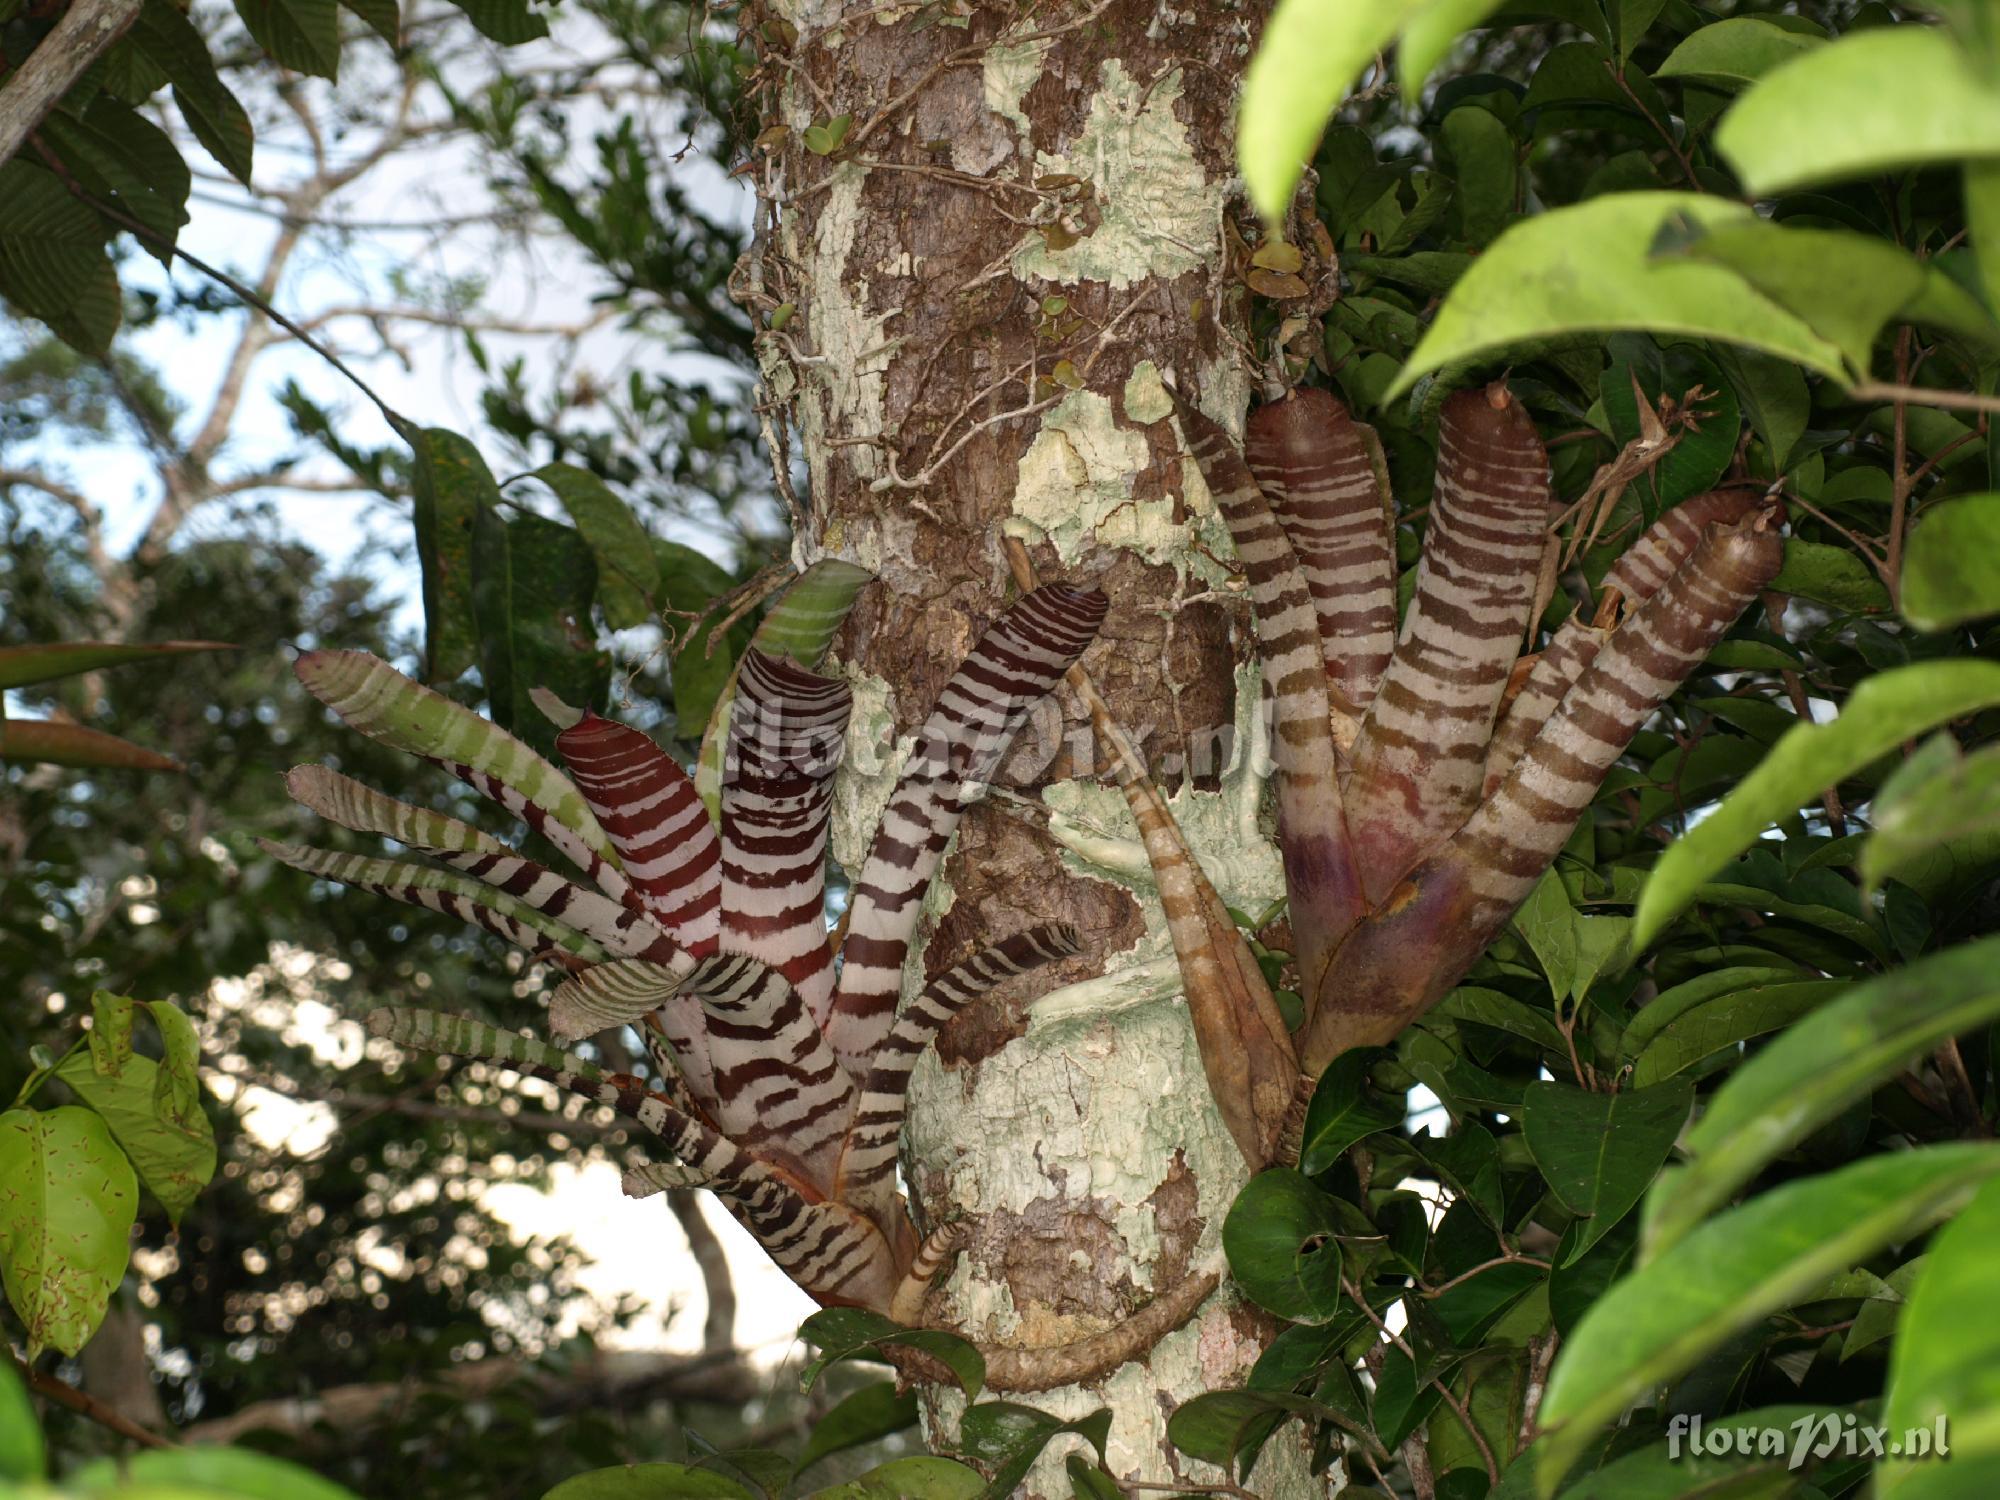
{"x": 1723, "y": 1022}
{"x": 22, "y": 665}
{"x": 55, "y": 744}
{"x": 303, "y": 35}
{"x": 648, "y": 1482}
{"x": 532, "y": 583}
{"x": 52, "y": 259}
{"x": 1217, "y": 1426}
{"x": 169, "y": 41}
{"x": 154, "y": 1111}
{"x": 1599, "y": 1152}
{"x": 1881, "y": 713}
{"x": 1590, "y": 269}
{"x": 1548, "y": 923}
{"x": 452, "y": 488}
{"x": 910, "y": 1479}
{"x": 1831, "y": 575}
{"x": 1658, "y": 1472}
{"x": 1009, "y": 1437}
{"x": 801, "y": 625}
{"x": 1845, "y": 286}
{"x": 509, "y": 22}
{"x": 21, "y": 1455}
{"x": 855, "y": 1333}
{"x": 382, "y": 17}
{"x": 1483, "y": 161}
{"x": 1279, "y": 1237}
{"x": 111, "y": 1018}
{"x": 1310, "y": 56}
{"x": 1944, "y": 1366}
{"x": 862, "y": 1416}
{"x": 1736, "y": 1270}
{"x": 1813, "y": 1071}
{"x": 71, "y": 1199}
{"x": 1735, "y": 52}
{"x": 1087, "y": 1483}
{"x": 1982, "y": 219}
{"x": 125, "y": 159}
{"x": 1951, "y": 572}
{"x": 1504, "y": 1013}
{"x": 628, "y": 571}
{"x": 1344, "y": 1110}
{"x": 1429, "y": 34}
{"x": 1928, "y": 807}
{"x": 220, "y": 1473}
{"x": 1875, "y": 101}
{"x": 1773, "y": 396}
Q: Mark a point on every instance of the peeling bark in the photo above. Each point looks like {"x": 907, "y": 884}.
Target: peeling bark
{"x": 983, "y": 294}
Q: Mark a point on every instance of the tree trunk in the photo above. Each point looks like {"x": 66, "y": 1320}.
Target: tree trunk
{"x": 973, "y": 301}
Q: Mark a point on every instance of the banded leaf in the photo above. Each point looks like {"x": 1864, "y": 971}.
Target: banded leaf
{"x": 388, "y": 707}
{"x": 649, "y": 810}
{"x": 786, "y": 734}
{"x": 1015, "y": 663}
{"x": 343, "y": 800}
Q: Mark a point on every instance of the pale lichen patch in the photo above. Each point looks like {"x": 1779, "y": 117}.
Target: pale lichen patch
{"x": 1159, "y": 209}
{"x": 1007, "y": 72}
{"x": 1146, "y": 398}
{"x": 850, "y": 346}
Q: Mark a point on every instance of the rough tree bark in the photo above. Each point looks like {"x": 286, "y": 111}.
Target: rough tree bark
{"x": 973, "y": 299}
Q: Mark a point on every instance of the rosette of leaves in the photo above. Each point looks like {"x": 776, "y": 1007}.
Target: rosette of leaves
{"x": 781, "y": 1062}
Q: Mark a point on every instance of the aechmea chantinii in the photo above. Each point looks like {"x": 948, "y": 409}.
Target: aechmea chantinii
{"x": 782, "y": 1073}
{"x": 1418, "y": 802}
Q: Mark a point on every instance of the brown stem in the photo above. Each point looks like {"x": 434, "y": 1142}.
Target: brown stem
{"x": 84, "y": 1404}
{"x": 84, "y": 34}
{"x": 1917, "y": 395}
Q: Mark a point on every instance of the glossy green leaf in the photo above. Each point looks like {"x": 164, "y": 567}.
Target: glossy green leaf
{"x": 52, "y": 257}
{"x": 303, "y": 35}
{"x": 1590, "y": 269}
{"x": 1944, "y": 1366}
{"x": 1735, "y": 1270}
{"x": 1928, "y": 808}
{"x": 1951, "y": 572}
{"x": 1737, "y": 51}
{"x": 855, "y": 1333}
{"x": 532, "y": 584}
{"x": 859, "y": 1417}
{"x": 1724, "y": 1022}
{"x": 1482, "y": 152}
{"x": 649, "y": 1482}
{"x": 1599, "y": 1152}
{"x": 1311, "y": 55}
{"x": 1008, "y": 1437}
{"x": 1279, "y": 1237}
{"x": 22, "y": 1458}
{"x": 169, "y": 41}
{"x": 801, "y": 624}
{"x": 628, "y": 571}
{"x": 1659, "y": 1471}
{"x": 452, "y": 486}
{"x": 1218, "y": 1425}
{"x": 1816, "y": 1069}
{"x": 509, "y": 22}
{"x": 1875, "y": 101}
{"x": 910, "y": 1479}
{"x": 71, "y": 1199}
{"x": 1845, "y": 286}
{"x": 1832, "y": 575}
{"x": 1344, "y": 1110}
{"x": 23, "y": 665}
{"x": 1880, "y": 714}
{"x": 1428, "y": 36}
{"x": 221, "y": 1473}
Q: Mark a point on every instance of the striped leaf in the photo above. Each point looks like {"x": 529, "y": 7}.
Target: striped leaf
{"x": 383, "y": 704}
{"x": 776, "y": 1085}
{"x": 1421, "y": 758}
{"x": 830, "y": 1251}
{"x": 801, "y": 625}
{"x": 786, "y": 734}
{"x": 1325, "y": 479}
{"x": 1319, "y": 865}
{"x": 867, "y": 1176}
{"x": 1658, "y": 554}
{"x": 648, "y": 809}
{"x": 624, "y": 931}
{"x": 441, "y": 891}
{"x": 1452, "y": 905}
{"x": 343, "y": 800}
{"x": 1014, "y": 664}
{"x": 635, "y": 989}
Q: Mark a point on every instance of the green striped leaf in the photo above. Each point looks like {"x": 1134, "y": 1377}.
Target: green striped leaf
{"x": 388, "y": 707}
{"x": 461, "y": 1036}
{"x": 343, "y": 800}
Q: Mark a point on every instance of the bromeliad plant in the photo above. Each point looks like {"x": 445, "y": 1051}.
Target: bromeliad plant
{"x": 1427, "y": 778}
{"x": 781, "y": 1073}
